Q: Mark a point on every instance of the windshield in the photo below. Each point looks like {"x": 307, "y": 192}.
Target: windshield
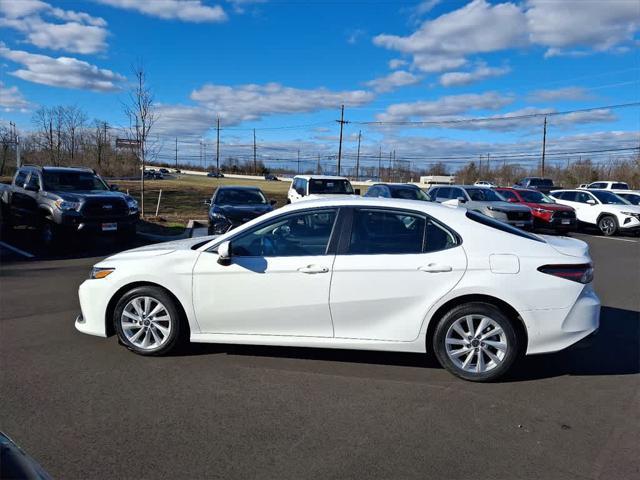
{"x": 330, "y": 186}
{"x": 609, "y": 198}
{"x": 631, "y": 198}
{"x": 620, "y": 186}
{"x": 484, "y": 195}
{"x": 240, "y": 197}
{"x": 408, "y": 193}
{"x": 541, "y": 182}
{"x": 535, "y": 197}
{"x": 72, "y": 181}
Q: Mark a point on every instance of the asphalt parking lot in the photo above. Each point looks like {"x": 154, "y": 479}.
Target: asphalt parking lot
{"x": 86, "y": 408}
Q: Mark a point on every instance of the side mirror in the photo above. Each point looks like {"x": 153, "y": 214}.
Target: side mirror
{"x": 207, "y": 202}
{"x": 273, "y": 203}
{"x": 591, "y": 201}
{"x": 300, "y": 191}
{"x": 31, "y": 188}
{"x": 357, "y": 190}
{"x": 461, "y": 200}
{"x": 114, "y": 188}
{"x": 224, "y": 253}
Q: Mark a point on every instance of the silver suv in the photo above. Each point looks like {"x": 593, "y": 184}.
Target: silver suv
{"x": 483, "y": 200}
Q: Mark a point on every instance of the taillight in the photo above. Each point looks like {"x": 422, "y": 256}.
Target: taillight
{"x": 582, "y": 273}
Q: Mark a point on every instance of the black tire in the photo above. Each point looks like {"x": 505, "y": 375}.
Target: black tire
{"x": 608, "y": 225}
{"x": 177, "y": 329}
{"x": 513, "y": 342}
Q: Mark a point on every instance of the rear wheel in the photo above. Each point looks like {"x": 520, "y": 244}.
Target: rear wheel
{"x": 148, "y": 321}
{"x": 608, "y": 225}
{"x": 476, "y": 341}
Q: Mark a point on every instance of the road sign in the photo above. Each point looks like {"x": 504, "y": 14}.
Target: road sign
{"x": 127, "y": 143}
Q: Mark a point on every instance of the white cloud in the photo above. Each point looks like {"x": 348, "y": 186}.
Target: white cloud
{"x": 355, "y": 35}
{"x": 185, "y": 10}
{"x": 11, "y": 99}
{"x": 251, "y": 102}
{"x": 79, "y": 32}
{"x": 392, "y": 81}
{"x": 443, "y": 43}
{"x": 565, "y": 93}
{"x": 182, "y": 120}
{"x": 240, "y": 6}
{"x": 397, "y": 63}
{"x": 567, "y": 27}
{"x": 481, "y": 72}
{"x": 62, "y": 72}
{"x": 444, "y": 107}
{"x": 590, "y": 24}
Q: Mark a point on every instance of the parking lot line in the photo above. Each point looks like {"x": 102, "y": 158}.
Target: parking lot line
{"x": 16, "y": 250}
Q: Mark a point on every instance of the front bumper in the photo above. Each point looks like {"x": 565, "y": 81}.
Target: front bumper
{"x": 80, "y": 223}
{"x": 630, "y": 223}
{"x": 556, "y": 223}
{"x": 93, "y": 295}
{"x": 556, "y": 329}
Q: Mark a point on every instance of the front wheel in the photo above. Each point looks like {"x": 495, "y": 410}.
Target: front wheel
{"x": 147, "y": 321}
{"x": 608, "y": 225}
{"x": 476, "y": 341}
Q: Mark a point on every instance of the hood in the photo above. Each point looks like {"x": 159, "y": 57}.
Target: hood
{"x": 556, "y": 207}
{"x": 80, "y": 195}
{"x": 567, "y": 246}
{"x": 506, "y": 206}
{"x": 163, "y": 248}
{"x": 242, "y": 213}
{"x": 623, "y": 208}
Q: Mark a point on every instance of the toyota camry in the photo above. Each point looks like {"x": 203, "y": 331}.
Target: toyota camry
{"x": 355, "y": 273}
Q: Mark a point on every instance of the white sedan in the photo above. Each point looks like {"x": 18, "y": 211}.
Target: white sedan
{"x": 356, "y": 273}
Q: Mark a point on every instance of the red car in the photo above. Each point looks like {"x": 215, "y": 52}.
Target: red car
{"x": 546, "y": 212}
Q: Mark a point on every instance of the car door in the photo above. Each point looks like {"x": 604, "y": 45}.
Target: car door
{"x": 589, "y": 212}
{"x": 19, "y": 198}
{"x": 278, "y": 280}
{"x": 392, "y": 266}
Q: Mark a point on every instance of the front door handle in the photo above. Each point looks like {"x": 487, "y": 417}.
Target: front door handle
{"x": 435, "y": 268}
{"x": 313, "y": 269}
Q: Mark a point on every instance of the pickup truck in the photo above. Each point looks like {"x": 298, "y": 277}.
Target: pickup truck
{"x": 607, "y": 185}
{"x": 61, "y": 201}
{"x": 544, "y": 185}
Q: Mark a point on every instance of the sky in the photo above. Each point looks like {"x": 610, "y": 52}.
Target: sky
{"x": 285, "y": 67}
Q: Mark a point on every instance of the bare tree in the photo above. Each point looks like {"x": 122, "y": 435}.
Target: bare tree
{"x": 74, "y": 121}
{"x": 6, "y": 142}
{"x": 142, "y": 115}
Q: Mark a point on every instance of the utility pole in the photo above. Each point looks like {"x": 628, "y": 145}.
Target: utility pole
{"x": 488, "y": 165}
{"x": 358, "y": 157}
{"x": 380, "y": 164}
{"x": 544, "y": 145}
{"x": 255, "y": 162}
{"x": 318, "y": 166}
{"x": 341, "y": 122}
{"x": 204, "y": 153}
{"x": 298, "y": 162}
{"x": 176, "y": 152}
{"x": 18, "y": 159}
{"x": 389, "y": 171}
{"x": 218, "y": 146}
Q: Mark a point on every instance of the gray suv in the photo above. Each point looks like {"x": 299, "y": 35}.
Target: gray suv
{"x": 483, "y": 200}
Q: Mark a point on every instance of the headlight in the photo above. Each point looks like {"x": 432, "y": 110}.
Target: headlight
{"x": 66, "y": 206}
{"x": 132, "y": 204}
{"x": 217, "y": 216}
{"x": 543, "y": 210}
{"x": 495, "y": 209}
{"x": 632, "y": 214}
{"x": 97, "y": 272}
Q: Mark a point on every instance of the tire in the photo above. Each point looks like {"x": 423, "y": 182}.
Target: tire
{"x": 608, "y": 225}
{"x": 496, "y": 359}
{"x": 152, "y": 336}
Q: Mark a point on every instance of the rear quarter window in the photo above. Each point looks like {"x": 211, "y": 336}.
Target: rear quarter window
{"x": 504, "y": 227}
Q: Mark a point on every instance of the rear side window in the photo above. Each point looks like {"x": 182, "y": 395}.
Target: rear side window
{"x": 620, "y": 186}
{"x": 386, "y": 232}
{"x": 597, "y": 185}
{"x": 568, "y": 196}
{"x": 443, "y": 193}
{"x": 490, "y": 222}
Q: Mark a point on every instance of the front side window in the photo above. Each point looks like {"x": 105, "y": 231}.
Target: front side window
{"x": 386, "y": 232}
{"x": 443, "y": 193}
{"x": 21, "y": 178}
{"x": 34, "y": 182}
{"x": 73, "y": 181}
{"x": 510, "y": 195}
{"x": 293, "y": 235}
{"x": 534, "y": 197}
{"x": 583, "y": 197}
{"x": 620, "y": 186}
{"x": 597, "y": 185}
{"x": 408, "y": 193}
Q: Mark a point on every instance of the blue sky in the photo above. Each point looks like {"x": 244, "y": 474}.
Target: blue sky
{"x": 267, "y": 64}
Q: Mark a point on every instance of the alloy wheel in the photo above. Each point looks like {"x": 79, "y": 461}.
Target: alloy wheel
{"x": 146, "y": 322}
{"x": 607, "y": 225}
{"x": 476, "y": 343}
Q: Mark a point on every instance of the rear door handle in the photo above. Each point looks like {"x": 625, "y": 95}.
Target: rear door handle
{"x": 435, "y": 268}
{"x": 313, "y": 269}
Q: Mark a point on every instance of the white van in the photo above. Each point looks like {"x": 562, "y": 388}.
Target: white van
{"x": 319, "y": 186}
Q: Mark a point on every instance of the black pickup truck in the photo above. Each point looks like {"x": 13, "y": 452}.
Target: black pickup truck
{"x": 62, "y": 201}
{"x": 544, "y": 185}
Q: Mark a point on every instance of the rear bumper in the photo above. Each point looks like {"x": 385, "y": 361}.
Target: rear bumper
{"x": 556, "y": 329}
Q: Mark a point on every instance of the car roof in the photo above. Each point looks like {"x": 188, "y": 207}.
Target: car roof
{"x": 320, "y": 177}
{"x": 237, "y": 187}
{"x": 379, "y": 184}
{"x": 358, "y": 201}
{"x": 58, "y": 169}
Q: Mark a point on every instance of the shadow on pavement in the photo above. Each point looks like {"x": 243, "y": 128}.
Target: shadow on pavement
{"x": 614, "y": 350}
